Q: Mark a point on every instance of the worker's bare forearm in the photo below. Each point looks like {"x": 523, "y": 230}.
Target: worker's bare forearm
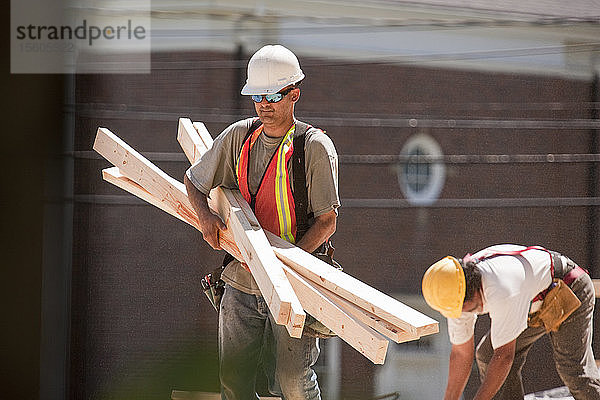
{"x": 322, "y": 229}
{"x": 197, "y": 198}
{"x": 461, "y": 360}
{"x": 497, "y": 371}
{"x": 208, "y": 222}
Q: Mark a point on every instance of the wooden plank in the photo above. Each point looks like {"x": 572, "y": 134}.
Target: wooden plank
{"x": 194, "y": 139}
{"x": 364, "y": 339}
{"x": 168, "y": 190}
{"x": 352, "y": 289}
{"x": 385, "y": 328}
{"x": 205, "y": 136}
{"x": 191, "y": 144}
{"x": 140, "y": 170}
{"x": 421, "y": 330}
{"x": 114, "y": 176}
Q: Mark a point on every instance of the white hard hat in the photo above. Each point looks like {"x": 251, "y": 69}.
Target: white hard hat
{"x": 272, "y": 68}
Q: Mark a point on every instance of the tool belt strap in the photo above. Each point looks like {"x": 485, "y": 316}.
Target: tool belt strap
{"x": 564, "y": 269}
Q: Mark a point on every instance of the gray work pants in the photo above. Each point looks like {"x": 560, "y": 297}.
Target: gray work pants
{"x": 572, "y": 347}
{"x": 248, "y": 338}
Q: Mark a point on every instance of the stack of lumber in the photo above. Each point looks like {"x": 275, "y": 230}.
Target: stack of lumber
{"x": 290, "y": 279}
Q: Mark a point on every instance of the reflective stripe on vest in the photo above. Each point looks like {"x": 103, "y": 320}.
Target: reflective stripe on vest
{"x": 274, "y": 202}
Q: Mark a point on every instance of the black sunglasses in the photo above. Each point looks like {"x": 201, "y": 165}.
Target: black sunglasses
{"x": 272, "y": 98}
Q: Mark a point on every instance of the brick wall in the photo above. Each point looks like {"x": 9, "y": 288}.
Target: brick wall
{"x": 141, "y": 325}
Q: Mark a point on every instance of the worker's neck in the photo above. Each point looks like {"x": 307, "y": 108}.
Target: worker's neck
{"x": 277, "y": 129}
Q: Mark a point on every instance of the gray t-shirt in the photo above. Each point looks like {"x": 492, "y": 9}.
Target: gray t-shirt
{"x": 217, "y": 168}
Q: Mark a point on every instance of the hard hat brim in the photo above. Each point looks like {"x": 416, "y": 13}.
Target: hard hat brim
{"x": 452, "y": 314}
{"x": 249, "y": 90}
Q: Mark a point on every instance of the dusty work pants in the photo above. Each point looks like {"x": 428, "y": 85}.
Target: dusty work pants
{"x": 572, "y": 347}
{"x": 248, "y": 338}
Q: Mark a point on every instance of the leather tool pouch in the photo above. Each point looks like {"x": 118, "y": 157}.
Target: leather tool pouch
{"x": 560, "y": 302}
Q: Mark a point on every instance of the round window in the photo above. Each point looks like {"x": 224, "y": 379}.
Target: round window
{"x": 420, "y": 179}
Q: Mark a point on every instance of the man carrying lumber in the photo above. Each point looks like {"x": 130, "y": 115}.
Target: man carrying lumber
{"x": 287, "y": 171}
{"x": 528, "y": 292}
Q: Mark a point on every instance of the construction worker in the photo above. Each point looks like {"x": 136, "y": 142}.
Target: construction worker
{"x": 528, "y": 292}
{"x": 299, "y": 204}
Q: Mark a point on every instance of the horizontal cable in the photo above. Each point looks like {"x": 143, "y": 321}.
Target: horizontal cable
{"x": 110, "y": 199}
{"x": 476, "y": 203}
{"x": 425, "y": 122}
{"x": 130, "y": 200}
{"x": 152, "y": 156}
{"x": 461, "y": 106}
{"x": 402, "y": 159}
{"x": 470, "y": 159}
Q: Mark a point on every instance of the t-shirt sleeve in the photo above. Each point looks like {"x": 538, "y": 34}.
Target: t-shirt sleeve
{"x": 216, "y": 167}
{"x": 321, "y": 173}
{"x": 461, "y": 329}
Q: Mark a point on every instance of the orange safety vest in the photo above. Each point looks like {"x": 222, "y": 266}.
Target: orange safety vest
{"x": 273, "y": 204}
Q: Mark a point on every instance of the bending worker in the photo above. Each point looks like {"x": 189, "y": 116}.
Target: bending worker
{"x": 528, "y": 292}
{"x": 287, "y": 171}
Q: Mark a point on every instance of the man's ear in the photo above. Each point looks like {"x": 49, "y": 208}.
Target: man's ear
{"x": 296, "y": 95}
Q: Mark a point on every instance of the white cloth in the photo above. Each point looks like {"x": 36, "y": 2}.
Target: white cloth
{"x": 559, "y": 393}
{"x": 509, "y": 284}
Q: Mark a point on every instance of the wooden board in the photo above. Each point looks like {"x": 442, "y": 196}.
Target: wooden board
{"x": 140, "y": 170}
{"x": 364, "y": 339}
{"x": 352, "y": 289}
{"x": 191, "y": 144}
{"x": 205, "y": 136}
{"x": 114, "y": 176}
{"x": 167, "y": 190}
{"x": 385, "y": 328}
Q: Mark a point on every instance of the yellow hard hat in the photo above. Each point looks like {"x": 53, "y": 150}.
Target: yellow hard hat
{"x": 444, "y": 287}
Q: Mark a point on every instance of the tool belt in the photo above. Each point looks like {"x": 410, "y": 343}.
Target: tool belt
{"x": 559, "y": 301}
{"x": 213, "y": 286}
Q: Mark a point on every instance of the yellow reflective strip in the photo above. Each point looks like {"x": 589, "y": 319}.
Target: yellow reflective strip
{"x": 281, "y": 192}
{"x": 237, "y": 165}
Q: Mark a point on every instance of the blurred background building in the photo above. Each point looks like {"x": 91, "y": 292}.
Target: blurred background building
{"x": 459, "y": 124}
